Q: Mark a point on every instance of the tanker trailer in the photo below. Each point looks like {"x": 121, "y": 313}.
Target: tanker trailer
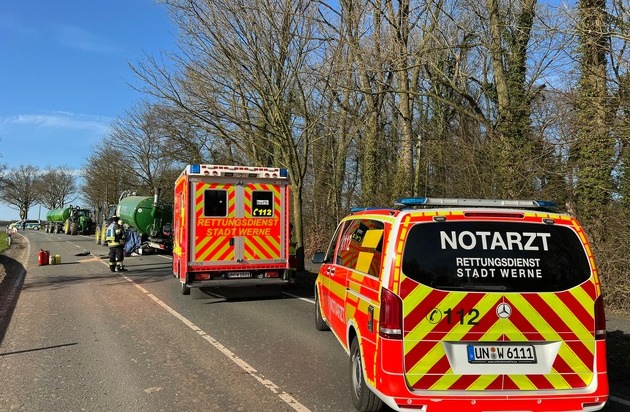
{"x": 70, "y": 220}
{"x": 151, "y": 218}
{"x": 56, "y": 219}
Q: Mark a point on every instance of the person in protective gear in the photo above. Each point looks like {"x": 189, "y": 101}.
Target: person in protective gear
{"x": 115, "y": 238}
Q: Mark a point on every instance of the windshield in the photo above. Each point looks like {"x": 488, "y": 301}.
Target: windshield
{"x": 495, "y": 256}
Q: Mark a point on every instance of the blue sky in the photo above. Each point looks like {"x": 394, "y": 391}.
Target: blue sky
{"x": 64, "y": 76}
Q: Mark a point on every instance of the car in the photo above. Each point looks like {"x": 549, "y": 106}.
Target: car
{"x": 25, "y": 224}
{"x": 465, "y": 305}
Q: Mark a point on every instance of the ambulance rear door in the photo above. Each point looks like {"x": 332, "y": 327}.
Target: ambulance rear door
{"x": 214, "y": 208}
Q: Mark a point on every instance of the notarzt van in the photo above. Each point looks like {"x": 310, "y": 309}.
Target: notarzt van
{"x": 466, "y": 305}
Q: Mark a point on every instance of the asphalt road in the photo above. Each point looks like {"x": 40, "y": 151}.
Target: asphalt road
{"x": 76, "y": 337}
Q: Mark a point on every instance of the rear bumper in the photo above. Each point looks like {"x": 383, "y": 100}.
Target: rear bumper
{"x": 490, "y": 404}
{"x": 392, "y": 388}
{"x": 237, "y": 282}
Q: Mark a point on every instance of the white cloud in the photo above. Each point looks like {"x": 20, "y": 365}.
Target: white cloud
{"x": 61, "y": 120}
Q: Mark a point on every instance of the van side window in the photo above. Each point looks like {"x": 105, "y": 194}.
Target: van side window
{"x": 333, "y": 245}
{"x": 360, "y": 246}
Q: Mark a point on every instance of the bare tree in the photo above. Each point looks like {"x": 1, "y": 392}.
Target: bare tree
{"x": 142, "y": 144}
{"x": 246, "y": 78}
{"x": 56, "y": 188}
{"x": 18, "y": 189}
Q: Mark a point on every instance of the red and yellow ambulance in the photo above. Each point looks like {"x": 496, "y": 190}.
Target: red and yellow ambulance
{"x": 465, "y": 305}
{"x": 231, "y": 226}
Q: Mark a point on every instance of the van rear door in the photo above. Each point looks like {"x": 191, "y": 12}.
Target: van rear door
{"x": 494, "y": 303}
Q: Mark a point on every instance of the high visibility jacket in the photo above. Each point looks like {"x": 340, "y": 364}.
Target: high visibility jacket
{"x": 114, "y": 236}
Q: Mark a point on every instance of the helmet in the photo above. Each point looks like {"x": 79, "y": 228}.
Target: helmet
{"x": 120, "y": 222}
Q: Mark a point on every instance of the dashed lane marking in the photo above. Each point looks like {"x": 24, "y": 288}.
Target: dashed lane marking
{"x": 287, "y": 398}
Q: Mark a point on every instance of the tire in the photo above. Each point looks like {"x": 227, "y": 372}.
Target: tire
{"x": 363, "y": 398}
{"x": 73, "y": 229}
{"x": 320, "y": 323}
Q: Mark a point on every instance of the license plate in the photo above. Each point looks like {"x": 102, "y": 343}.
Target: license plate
{"x": 482, "y": 353}
{"x": 232, "y": 275}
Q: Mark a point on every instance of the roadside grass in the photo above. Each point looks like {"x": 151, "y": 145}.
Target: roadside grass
{"x": 4, "y": 241}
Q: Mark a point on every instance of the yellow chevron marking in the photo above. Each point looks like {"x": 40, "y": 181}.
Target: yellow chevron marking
{"x": 523, "y": 382}
{"x": 482, "y": 382}
{"x": 557, "y": 380}
{"x": 567, "y": 317}
{"x": 421, "y": 330}
{"x": 584, "y": 299}
{"x": 414, "y": 299}
{"x": 535, "y": 318}
{"x": 428, "y": 360}
{"x": 445, "y": 382}
{"x": 577, "y": 365}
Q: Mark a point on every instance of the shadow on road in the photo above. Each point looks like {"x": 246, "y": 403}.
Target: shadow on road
{"x": 617, "y": 345}
{"x": 10, "y": 288}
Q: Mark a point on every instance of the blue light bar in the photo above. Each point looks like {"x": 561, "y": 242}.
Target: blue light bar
{"x": 284, "y": 173}
{"x": 488, "y": 203}
{"x": 195, "y": 168}
{"x": 546, "y": 204}
{"x": 361, "y": 209}
{"x": 411, "y": 201}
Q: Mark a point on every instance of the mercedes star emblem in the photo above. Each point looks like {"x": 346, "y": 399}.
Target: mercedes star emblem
{"x": 504, "y": 310}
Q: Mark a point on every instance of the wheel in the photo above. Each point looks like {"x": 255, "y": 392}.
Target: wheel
{"x": 320, "y": 323}
{"x": 73, "y": 228}
{"x": 363, "y": 398}
{"x": 185, "y": 289}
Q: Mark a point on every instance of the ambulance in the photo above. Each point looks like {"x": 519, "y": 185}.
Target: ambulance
{"x": 465, "y": 305}
{"x": 231, "y": 226}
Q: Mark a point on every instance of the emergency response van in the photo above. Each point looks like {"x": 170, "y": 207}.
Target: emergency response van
{"x": 231, "y": 226}
{"x": 465, "y": 305}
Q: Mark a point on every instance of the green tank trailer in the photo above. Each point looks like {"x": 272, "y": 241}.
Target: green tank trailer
{"x": 71, "y": 220}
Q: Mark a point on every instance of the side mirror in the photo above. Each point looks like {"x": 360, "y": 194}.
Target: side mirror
{"x": 319, "y": 258}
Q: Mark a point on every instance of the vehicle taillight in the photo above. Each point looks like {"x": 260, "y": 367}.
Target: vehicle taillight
{"x": 390, "y": 320}
{"x": 600, "y": 319}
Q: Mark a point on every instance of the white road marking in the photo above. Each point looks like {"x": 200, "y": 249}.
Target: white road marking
{"x": 299, "y": 297}
{"x": 619, "y": 400}
{"x": 288, "y": 399}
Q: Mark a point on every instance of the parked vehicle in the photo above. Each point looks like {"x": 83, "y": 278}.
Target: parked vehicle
{"x": 25, "y": 224}
{"x": 71, "y": 220}
{"x": 232, "y": 226}
{"x": 151, "y": 217}
{"x": 465, "y": 305}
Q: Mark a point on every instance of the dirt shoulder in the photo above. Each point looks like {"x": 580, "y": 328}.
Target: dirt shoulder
{"x": 13, "y": 259}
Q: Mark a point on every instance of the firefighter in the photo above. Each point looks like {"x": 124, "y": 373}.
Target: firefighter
{"x": 115, "y": 238}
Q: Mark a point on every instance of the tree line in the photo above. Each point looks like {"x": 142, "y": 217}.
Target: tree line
{"x": 365, "y": 101}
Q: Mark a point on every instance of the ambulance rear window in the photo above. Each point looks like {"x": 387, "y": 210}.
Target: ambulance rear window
{"x": 495, "y": 256}
{"x": 215, "y": 203}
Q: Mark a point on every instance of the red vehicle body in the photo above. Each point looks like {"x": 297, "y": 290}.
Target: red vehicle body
{"x": 466, "y": 305}
{"x": 231, "y": 226}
